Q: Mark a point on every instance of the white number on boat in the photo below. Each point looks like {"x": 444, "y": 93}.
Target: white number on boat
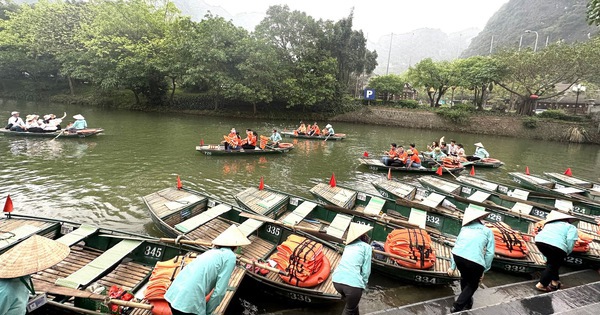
{"x": 207, "y": 153}
{"x": 361, "y": 196}
{"x": 579, "y": 209}
{"x": 495, "y": 217}
{"x": 153, "y": 251}
{"x": 425, "y": 279}
{"x": 516, "y": 180}
{"x": 466, "y": 190}
{"x": 433, "y": 219}
{"x": 574, "y": 260}
{"x": 503, "y": 189}
{"x": 275, "y": 230}
{"x": 383, "y": 193}
{"x": 373, "y": 168}
{"x": 294, "y": 201}
{"x": 514, "y": 268}
{"x": 539, "y": 213}
{"x": 211, "y": 203}
{"x": 299, "y": 297}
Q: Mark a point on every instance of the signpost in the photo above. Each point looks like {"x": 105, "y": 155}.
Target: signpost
{"x": 369, "y": 95}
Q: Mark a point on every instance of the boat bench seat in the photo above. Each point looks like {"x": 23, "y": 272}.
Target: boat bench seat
{"x": 77, "y": 235}
{"x": 568, "y": 190}
{"x": 447, "y": 187}
{"x": 19, "y": 233}
{"x": 299, "y": 213}
{"x": 433, "y": 200}
{"x": 271, "y": 201}
{"x": 519, "y": 194}
{"x": 565, "y": 205}
{"x": 344, "y": 198}
{"x": 338, "y": 226}
{"x": 249, "y": 226}
{"x": 198, "y": 220}
{"x": 479, "y": 196}
{"x": 374, "y": 206}
{"x": 521, "y": 208}
{"x": 97, "y": 267}
{"x": 183, "y": 202}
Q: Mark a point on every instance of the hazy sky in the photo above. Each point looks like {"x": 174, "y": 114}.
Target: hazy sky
{"x": 377, "y": 17}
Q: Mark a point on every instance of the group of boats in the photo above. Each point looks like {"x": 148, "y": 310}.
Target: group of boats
{"x": 270, "y": 218}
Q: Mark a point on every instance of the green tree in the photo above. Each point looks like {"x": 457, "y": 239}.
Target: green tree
{"x": 478, "y": 74}
{"x": 387, "y": 85}
{"x": 435, "y": 77}
{"x": 593, "y": 12}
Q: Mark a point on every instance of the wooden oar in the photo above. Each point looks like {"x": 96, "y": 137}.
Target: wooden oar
{"x": 58, "y": 290}
{"x": 61, "y": 132}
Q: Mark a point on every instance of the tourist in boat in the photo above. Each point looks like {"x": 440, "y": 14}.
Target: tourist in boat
{"x": 400, "y": 158}
{"x": 275, "y": 138}
{"x": 452, "y": 148}
{"x": 17, "y": 264}
{"x": 52, "y": 123}
{"x": 79, "y": 123}
{"x": 236, "y": 142}
{"x": 413, "y": 148}
{"x": 460, "y": 152}
{"x": 351, "y": 276}
{"x": 444, "y": 147}
{"x": 315, "y": 130}
{"x": 230, "y": 138}
{"x": 302, "y": 129}
{"x": 438, "y": 154}
{"x": 249, "y": 143}
{"x": 15, "y": 123}
{"x": 390, "y": 155}
{"x": 480, "y": 153}
{"x": 472, "y": 254}
{"x": 432, "y": 146}
{"x": 32, "y": 124}
{"x": 328, "y": 131}
{"x": 413, "y": 160}
{"x": 555, "y": 241}
{"x": 209, "y": 271}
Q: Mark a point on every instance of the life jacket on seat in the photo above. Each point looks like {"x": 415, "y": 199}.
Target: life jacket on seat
{"x": 413, "y": 244}
{"x": 449, "y": 162}
{"x": 304, "y": 261}
{"x": 263, "y": 142}
{"x": 508, "y": 242}
{"x": 582, "y": 244}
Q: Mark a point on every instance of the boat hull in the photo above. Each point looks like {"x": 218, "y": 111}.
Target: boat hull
{"x": 377, "y": 165}
{"x": 335, "y": 137}
{"x": 79, "y": 134}
{"x": 220, "y": 150}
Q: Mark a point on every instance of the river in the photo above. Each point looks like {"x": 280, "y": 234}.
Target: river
{"x": 102, "y": 179}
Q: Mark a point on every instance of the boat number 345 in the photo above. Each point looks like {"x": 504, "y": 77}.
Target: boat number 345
{"x": 153, "y": 251}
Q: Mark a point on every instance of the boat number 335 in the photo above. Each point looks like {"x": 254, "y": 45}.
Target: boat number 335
{"x": 275, "y": 230}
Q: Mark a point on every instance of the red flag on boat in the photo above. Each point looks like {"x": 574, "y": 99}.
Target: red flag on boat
{"x": 389, "y": 174}
{"x": 201, "y": 141}
{"x": 526, "y": 170}
{"x": 179, "y": 185}
{"x": 568, "y": 172}
{"x": 332, "y": 180}
{"x": 366, "y": 154}
{"x": 261, "y": 185}
{"x": 8, "y": 205}
{"x": 439, "y": 171}
{"x": 472, "y": 170}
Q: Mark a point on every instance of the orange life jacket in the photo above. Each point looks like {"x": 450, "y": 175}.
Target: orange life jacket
{"x": 415, "y": 158}
{"x": 582, "y": 244}
{"x": 508, "y": 242}
{"x": 402, "y": 156}
{"x": 393, "y": 153}
{"x": 303, "y": 259}
{"x": 317, "y": 130}
{"x": 413, "y": 244}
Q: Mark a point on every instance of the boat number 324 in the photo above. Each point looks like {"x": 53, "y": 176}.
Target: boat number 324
{"x": 275, "y": 230}
{"x": 153, "y": 251}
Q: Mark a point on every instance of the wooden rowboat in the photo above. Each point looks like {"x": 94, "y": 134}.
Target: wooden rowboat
{"x": 98, "y": 257}
{"x": 218, "y": 149}
{"x": 487, "y": 163}
{"x": 331, "y": 223}
{"x": 377, "y": 165}
{"x": 544, "y": 185}
{"x": 53, "y": 134}
{"x": 334, "y": 137}
{"x": 593, "y": 188}
{"x": 192, "y": 215}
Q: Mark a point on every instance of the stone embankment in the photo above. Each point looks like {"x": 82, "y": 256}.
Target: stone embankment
{"x": 510, "y": 126}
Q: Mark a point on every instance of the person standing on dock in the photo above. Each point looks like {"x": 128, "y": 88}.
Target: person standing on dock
{"x": 209, "y": 271}
{"x": 555, "y": 241}
{"x": 472, "y": 254}
{"x": 351, "y": 276}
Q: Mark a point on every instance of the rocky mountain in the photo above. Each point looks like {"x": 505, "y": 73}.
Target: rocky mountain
{"x": 553, "y": 20}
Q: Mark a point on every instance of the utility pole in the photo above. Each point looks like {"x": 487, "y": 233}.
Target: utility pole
{"x": 387, "y": 69}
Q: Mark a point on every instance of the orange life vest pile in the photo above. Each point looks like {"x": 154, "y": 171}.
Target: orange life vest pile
{"x": 449, "y": 162}
{"x": 304, "y": 260}
{"x": 263, "y": 142}
{"x": 508, "y": 242}
{"x": 582, "y": 244}
{"x": 413, "y": 244}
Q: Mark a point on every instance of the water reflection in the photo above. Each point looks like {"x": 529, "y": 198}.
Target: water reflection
{"x": 47, "y": 149}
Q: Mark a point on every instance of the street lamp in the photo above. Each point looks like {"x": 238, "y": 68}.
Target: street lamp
{"x": 536, "y": 39}
{"x": 578, "y": 89}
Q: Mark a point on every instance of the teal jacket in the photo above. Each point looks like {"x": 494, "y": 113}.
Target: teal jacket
{"x": 481, "y": 153}
{"x": 79, "y": 124}
{"x": 14, "y": 296}
{"x": 558, "y": 234}
{"x": 355, "y": 266}
{"x": 209, "y": 270}
{"x": 475, "y": 242}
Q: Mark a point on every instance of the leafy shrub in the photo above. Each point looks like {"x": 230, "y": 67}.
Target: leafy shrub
{"x": 407, "y": 104}
{"x": 530, "y": 122}
{"x": 456, "y": 116}
{"x": 559, "y": 115}
{"x": 464, "y": 107}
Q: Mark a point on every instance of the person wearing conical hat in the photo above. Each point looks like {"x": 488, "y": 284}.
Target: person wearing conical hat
{"x": 480, "y": 153}
{"x": 208, "y": 271}
{"x": 472, "y": 254}
{"x": 328, "y": 131}
{"x": 555, "y": 241}
{"x": 351, "y": 276}
{"x": 79, "y": 123}
{"x": 18, "y": 263}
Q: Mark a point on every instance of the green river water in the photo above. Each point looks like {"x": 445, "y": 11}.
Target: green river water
{"x": 102, "y": 179}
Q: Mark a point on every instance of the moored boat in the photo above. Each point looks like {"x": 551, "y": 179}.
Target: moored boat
{"x": 544, "y": 185}
{"x": 55, "y": 134}
{"x": 593, "y": 188}
{"x": 331, "y": 223}
{"x": 99, "y": 258}
{"x": 334, "y": 137}
{"x": 218, "y": 149}
{"x": 486, "y": 163}
{"x": 190, "y": 214}
{"x": 377, "y": 165}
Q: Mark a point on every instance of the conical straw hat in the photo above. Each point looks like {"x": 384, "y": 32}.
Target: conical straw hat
{"x": 472, "y": 214}
{"x": 30, "y": 256}
{"x": 557, "y": 215}
{"x": 478, "y": 144}
{"x": 231, "y": 237}
{"x": 356, "y": 230}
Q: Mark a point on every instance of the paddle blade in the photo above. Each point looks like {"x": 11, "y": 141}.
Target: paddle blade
{"x": 179, "y": 185}
{"x": 472, "y": 170}
{"x": 332, "y": 182}
{"x": 527, "y": 170}
{"x": 261, "y": 185}
{"x": 568, "y": 172}
{"x": 366, "y": 154}
{"x": 389, "y": 174}
{"x": 8, "y": 205}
